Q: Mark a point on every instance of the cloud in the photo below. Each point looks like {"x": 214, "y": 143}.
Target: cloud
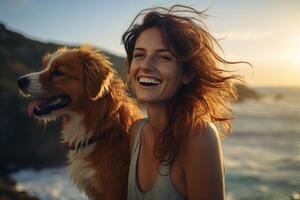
{"x": 244, "y": 35}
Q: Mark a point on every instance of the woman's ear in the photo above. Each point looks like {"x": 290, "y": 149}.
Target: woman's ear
{"x": 187, "y": 78}
{"x": 187, "y": 75}
{"x": 96, "y": 74}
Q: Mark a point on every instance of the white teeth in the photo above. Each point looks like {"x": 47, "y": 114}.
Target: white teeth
{"x": 148, "y": 80}
{"x": 57, "y": 101}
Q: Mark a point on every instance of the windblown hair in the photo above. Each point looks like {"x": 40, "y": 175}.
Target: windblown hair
{"x": 208, "y": 97}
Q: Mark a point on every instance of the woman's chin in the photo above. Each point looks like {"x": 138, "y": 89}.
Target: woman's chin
{"x": 147, "y": 101}
{"x": 144, "y": 99}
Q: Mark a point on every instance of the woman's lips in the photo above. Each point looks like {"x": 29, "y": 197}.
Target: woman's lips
{"x": 148, "y": 81}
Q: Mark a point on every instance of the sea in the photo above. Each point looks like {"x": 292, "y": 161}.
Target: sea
{"x": 261, "y": 155}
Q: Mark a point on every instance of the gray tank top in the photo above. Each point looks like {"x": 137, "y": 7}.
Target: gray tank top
{"x": 162, "y": 188}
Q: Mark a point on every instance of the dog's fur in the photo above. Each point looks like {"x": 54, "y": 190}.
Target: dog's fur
{"x": 96, "y": 120}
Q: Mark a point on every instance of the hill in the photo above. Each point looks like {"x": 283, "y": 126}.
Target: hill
{"x": 244, "y": 93}
{"x": 20, "y": 55}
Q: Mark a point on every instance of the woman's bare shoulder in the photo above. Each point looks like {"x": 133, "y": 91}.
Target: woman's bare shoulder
{"x": 207, "y": 134}
{"x": 203, "y": 144}
{"x": 204, "y": 163}
{"x": 203, "y": 136}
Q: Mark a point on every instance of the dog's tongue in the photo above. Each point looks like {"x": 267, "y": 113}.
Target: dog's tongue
{"x": 30, "y": 107}
{"x": 33, "y": 104}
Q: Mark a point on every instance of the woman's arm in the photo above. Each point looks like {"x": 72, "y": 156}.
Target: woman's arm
{"x": 204, "y": 165}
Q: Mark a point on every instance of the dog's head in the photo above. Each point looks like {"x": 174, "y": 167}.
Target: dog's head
{"x": 69, "y": 79}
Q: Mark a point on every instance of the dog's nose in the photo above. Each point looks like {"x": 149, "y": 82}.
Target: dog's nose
{"x": 23, "y": 82}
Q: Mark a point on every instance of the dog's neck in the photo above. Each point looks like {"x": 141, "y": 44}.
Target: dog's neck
{"x": 82, "y": 130}
{"x": 73, "y": 131}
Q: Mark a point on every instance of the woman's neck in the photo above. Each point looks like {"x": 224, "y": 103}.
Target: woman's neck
{"x": 157, "y": 117}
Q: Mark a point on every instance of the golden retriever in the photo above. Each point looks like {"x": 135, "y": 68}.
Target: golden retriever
{"x": 81, "y": 86}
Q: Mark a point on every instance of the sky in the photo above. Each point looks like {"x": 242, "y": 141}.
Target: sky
{"x": 265, "y": 33}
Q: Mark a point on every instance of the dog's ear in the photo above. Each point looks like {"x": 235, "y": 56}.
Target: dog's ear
{"x": 97, "y": 73}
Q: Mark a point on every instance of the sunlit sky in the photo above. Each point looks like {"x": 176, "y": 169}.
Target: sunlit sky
{"x": 264, "y": 32}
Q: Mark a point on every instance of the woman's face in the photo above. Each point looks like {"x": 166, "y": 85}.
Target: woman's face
{"x": 155, "y": 73}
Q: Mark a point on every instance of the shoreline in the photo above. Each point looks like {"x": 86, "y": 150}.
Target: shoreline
{"x": 8, "y": 190}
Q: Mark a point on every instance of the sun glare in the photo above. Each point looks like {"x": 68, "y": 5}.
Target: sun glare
{"x": 294, "y": 54}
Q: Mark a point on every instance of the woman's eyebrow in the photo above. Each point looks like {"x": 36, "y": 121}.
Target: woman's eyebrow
{"x": 163, "y": 50}
{"x": 139, "y": 49}
{"x": 157, "y": 50}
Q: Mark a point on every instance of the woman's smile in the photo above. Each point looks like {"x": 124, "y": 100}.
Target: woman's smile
{"x": 145, "y": 81}
{"x": 155, "y": 72}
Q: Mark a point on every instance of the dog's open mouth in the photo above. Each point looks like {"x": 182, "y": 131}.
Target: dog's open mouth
{"x": 44, "y": 106}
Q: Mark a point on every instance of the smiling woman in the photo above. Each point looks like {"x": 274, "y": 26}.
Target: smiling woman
{"x": 174, "y": 70}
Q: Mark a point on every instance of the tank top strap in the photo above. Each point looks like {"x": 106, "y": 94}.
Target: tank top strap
{"x": 162, "y": 187}
{"x": 137, "y": 139}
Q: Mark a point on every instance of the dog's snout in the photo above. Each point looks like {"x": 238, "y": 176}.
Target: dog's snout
{"x": 23, "y": 82}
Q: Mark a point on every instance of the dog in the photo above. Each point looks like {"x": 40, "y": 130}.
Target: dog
{"x": 80, "y": 85}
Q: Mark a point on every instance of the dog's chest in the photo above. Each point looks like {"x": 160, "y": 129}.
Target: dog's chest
{"x": 80, "y": 171}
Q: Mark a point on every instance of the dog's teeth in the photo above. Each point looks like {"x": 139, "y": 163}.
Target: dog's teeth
{"x": 57, "y": 101}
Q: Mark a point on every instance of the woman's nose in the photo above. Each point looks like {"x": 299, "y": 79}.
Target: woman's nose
{"x": 148, "y": 64}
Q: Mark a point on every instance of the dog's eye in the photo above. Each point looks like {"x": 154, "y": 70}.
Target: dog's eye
{"x": 57, "y": 72}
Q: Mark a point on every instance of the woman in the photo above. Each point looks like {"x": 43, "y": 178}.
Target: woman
{"x": 174, "y": 71}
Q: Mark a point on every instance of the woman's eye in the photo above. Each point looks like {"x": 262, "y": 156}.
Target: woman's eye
{"x": 57, "y": 72}
{"x": 164, "y": 58}
{"x": 138, "y": 56}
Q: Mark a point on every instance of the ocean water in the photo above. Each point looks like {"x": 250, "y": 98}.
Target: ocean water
{"x": 262, "y": 154}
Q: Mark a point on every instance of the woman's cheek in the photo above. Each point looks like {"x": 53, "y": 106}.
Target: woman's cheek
{"x": 132, "y": 78}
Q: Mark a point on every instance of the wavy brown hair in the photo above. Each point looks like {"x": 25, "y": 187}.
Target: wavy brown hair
{"x": 208, "y": 97}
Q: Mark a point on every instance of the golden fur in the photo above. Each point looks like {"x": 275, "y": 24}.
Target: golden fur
{"x": 98, "y": 106}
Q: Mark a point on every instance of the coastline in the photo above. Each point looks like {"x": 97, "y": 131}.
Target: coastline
{"x": 9, "y": 191}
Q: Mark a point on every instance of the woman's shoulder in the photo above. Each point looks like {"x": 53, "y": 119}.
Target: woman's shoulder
{"x": 203, "y": 140}
{"x": 206, "y": 131}
{"x": 203, "y": 161}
